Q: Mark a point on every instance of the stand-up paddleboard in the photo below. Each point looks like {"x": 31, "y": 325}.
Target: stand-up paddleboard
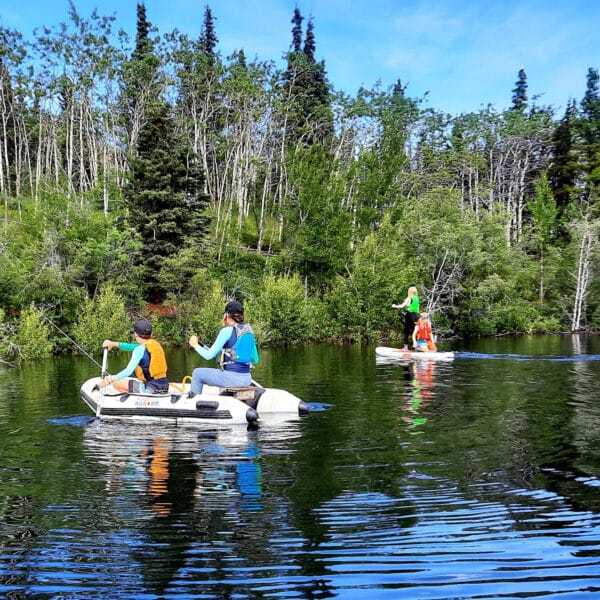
{"x": 399, "y": 354}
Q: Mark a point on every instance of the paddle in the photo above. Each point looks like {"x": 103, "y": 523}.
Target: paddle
{"x": 103, "y": 374}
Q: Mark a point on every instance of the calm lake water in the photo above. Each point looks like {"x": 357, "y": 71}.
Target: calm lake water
{"x": 476, "y": 478}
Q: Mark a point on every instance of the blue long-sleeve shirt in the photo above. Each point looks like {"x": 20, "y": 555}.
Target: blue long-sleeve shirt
{"x": 137, "y": 353}
{"x": 218, "y": 345}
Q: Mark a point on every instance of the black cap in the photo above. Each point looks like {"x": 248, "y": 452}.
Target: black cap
{"x": 142, "y": 327}
{"x": 234, "y": 307}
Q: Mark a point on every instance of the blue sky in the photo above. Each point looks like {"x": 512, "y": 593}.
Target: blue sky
{"x": 465, "y": 53}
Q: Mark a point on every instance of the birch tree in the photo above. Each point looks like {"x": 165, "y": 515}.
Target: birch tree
{"x": 587, "y": 244}
{"x": 518, "y": 159}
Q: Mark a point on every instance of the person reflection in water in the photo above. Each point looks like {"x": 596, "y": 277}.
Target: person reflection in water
{"x": 419, "y": 393}
{"x": 157, "y": 459}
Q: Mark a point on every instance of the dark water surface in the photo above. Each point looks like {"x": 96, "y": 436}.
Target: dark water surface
{"x": 477, "y": 478}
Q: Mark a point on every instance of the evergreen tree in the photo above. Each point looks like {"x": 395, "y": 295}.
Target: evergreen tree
{"x": 141, "y": 84}
{"x": 297, "y": 30}
{"x": 399, "y": 89}
{"x": 564, "y": 167}
{"x": 590, "y": 128}
{"x": 519, "y": 98}
{"x": 143, "y": 44}
{"x": 307, "y": 94}
{"x": 208, "y": 38}
{"x": 164, "y": 195}
{"x": 309, "y": 43}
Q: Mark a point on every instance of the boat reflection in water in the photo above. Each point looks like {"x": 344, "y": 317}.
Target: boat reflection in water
{"x": 173, "y": 492}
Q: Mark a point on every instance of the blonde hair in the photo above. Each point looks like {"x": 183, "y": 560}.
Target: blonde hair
{"x": 412, "y": 291}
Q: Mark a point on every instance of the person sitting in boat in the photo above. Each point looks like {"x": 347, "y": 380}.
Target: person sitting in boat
{"x": 411, "y": 315}
{"x": 236, "y": 345}
{"x": 147, "y": 361}
{"x": 423, "y": 335}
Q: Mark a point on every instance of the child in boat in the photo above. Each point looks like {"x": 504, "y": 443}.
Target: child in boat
{"x": 411, "y": 303}
{"x": 147, "y": 362}
{"x": 423, "y": 335}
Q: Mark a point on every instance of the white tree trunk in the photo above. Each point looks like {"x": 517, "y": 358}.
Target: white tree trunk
{"x": 583, "y": 276}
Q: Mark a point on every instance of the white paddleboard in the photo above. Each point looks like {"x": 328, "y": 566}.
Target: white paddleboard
{"x": 399, "y": 354}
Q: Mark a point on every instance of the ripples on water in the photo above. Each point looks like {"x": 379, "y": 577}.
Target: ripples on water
{"x": 472, "y": 479}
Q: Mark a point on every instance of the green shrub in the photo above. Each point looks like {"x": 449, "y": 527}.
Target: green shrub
{"x": 103, "y": 317}
{"x": 33, "y": 335}
{"x": 543, "y": 324}
{"x": 279, "y": 313}
{"x": 200, "y": 314}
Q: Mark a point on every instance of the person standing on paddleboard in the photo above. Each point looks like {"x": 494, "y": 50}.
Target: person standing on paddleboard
{"x": 411, "y": 315}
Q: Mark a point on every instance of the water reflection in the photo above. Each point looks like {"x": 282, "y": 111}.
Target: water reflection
{"x": 183, "y": 490}
{"x": 477, "y": 478}
{"x": 419, "y": 375}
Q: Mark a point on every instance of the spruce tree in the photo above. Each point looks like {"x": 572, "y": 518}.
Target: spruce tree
{"x": 307, "y": 93}
{"x": 208, "y": 38}
{"x": 309, "y": 43}
{"x": 297, "y": 30}
{"x": 519, "y": 98}
{"x": 141, "y": 83}
{"x": 142, "y": 40}
{"x": 164, "y": 193}
{"x": 590, "y": 128}
{"x": 564, "y": 167}
{"x": 399, "y": 89}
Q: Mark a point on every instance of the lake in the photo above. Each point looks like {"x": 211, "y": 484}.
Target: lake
{"x": 474, "y": 478}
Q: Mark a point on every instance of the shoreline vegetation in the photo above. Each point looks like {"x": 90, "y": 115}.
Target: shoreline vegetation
{"x": 151, "y": 176}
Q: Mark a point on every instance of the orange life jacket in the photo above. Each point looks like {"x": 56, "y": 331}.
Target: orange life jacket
{"x": 424, "y": 330}
{"x": 154, "y": 365}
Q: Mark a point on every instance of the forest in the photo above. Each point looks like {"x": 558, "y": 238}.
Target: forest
{"x": 150, "y": 175}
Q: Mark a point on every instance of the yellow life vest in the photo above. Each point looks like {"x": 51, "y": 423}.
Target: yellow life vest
{"x": 153, "y": 366}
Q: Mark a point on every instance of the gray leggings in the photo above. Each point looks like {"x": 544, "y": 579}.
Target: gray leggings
{"x": 219, "y": 378}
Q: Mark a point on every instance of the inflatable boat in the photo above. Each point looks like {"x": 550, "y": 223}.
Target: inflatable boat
{"x": 214, "y": 405}
{"x": 399, "y": 354}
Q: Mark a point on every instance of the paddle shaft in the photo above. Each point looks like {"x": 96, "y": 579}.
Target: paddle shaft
{"x": 103, "y": 375}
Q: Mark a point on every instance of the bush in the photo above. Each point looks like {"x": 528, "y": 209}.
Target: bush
{"x": 280, "y": 312}
{"x": 545, "y": 325}
{"x": 33, "y": 335}
{"x": 199, "y": 312}
{"x": 103, "y": 317}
